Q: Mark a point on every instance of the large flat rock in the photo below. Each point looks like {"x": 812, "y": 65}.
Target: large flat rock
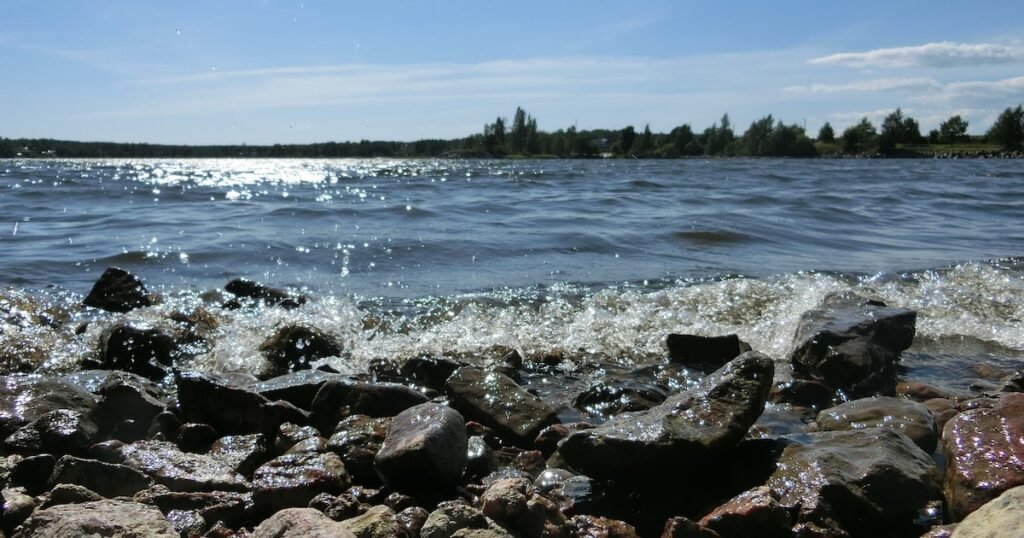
{"x": 497, "y": 402}
{"x": 107, "y": 518}
{"x": 683, "y": 434}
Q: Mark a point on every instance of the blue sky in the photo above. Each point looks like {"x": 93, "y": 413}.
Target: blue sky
{"x": 258, "y": 72}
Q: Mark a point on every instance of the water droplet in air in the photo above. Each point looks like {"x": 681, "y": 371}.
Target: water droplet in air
{"x": 178, "y": 31}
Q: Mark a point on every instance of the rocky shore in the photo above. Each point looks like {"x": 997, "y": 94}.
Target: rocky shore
{"x": 135, "y": 444}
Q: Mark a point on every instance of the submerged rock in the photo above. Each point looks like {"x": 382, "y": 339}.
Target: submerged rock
{"x": 866, "y": 482}
{"x": 293, "y": 347}
{"x": 425, "y": 448}
{"x": 248, "y": 289}
{"x": 110, "y": 518}
{"x": 984, "y": 454}
{"x": 499, "y": 403}
{"x": 117, "y": 290}
{"x": 852, "y": 343}
{"x": 683, "y": 434}
{"x": 907, "y": 417}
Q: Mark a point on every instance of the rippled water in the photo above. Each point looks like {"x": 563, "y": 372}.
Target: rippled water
{"x": 595, "y": 260}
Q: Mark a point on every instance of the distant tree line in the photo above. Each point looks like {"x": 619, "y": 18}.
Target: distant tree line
{"x": 898, "y": 134}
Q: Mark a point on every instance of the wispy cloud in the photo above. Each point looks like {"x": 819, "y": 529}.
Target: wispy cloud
{"x": 942, "y": 54}
{"x": 869, "y": 86}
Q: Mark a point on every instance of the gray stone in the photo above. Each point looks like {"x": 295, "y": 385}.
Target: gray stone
{"x": 338, "y": 399}
{"x": 450, "y": 517}
{"x": 682, "y": 435}
{"x": 62, "y": 431}
{"x": 497, "y": 402}
{"x": 1002, "y": 516}
{"x": 71, "y": 494}
{"x": 25, "y": 398}
{"x": 181, "y": 471}
{"x": 107, "y": 479}
{"x": 108, "y": 518}
{"x": 377, "y": 522}
{"x": 300, "y": 523}
{"x": 294, "y": 479}
{"x": 425, "y": 448}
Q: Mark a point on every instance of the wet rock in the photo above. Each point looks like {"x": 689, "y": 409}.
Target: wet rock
{"x": 862, "y": 483}
{"x": 920, "y": 392}
{"x": 289, "y": 435}
{"x": 244, "y": 453}
{"x": 497, "y": 402}
{"x": 788, "y": 388}
{"x": 412, "y": 519}
{"x": 338, "y": 508}
{"x": 984, "y": 451}
{"x": 117, "y": 290}
{"x": 480, "y": 458}
{"x": 293, "y": 347}
{"x": 129, "y": 404}
{"x": 514, "y": 503}
{"x": 680, "y": 436}
{"x": 115, "y": 519}
{"x": 377, "y": 522}
{"x": 32, "y": 473}
{"x": 606, "y": 398}
{"x": 357, "y": 439}
{"x": 297, "y": 388}
{"x": 145, "y": 351}
{"x": 194, "y": 437}
{"x": 940, "y": 531}
{"x": 63, "y": 431}
{"x": 248, "y": 289}
{"x": 300, "y": 523}
{"x": 429, "y": 371}
{"x": 228, "y": 409}
{"x": 229, "y": 507}
{"x": 1002, "y": 516}
{"x": 107, "y": 479}
{"x": 681, "y": 527}
{"x": 584, "y": 526}
{"x": 756, "y": 512}
{"x": 1013, "y": 382}
{"x": 450, "y": 517}
{"x": 70, "y": 494}
{"x": 188, "y": 523}
{"x": 181, "y": 471}
{"x": 25, "y": 398}
{"x": 425, "y": 448}
{"x": 705, "y": 351}
{"x": 942, "y": 410}
{"x": 907, "y": 417}
{"x": 338, "y": 399}
{"x": 294, "y": 479}
{"x": 15, "y": 507}
{"x": 852, "y": 343}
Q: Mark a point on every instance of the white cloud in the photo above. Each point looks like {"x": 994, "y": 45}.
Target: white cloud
{"x": 1009, "y": 87}
{"x": 943, "y": 54}
{"x": 869, "y": 86}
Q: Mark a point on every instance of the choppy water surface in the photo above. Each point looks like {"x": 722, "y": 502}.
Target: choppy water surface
{"x": 593, "y": 260}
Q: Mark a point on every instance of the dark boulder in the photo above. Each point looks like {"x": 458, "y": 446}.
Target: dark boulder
{"x": 499, "y": 403}
{"x": 852, "y": 344}
{"x": 59, "y": 432}
{"x": 25, "y": 398}
{"x": 704, "y": 351}
{"x": 869, "y": 482}
{"x": 683, "y": 434}
{"x": 129, "y": 404}
{"x": 425, "y": 449}
{"x": 247, "y": 289}
{"x": 244, "y": 453}
{"x": 905, "y": 416}
{"x": 147, "y": 352}
{"x": 338, "y": 399}
{"x": 293, "y": 480}
{"x": 756, "y": 512}
{"x": 195, "y": 437}
{"x": 429, "y": 371}
{"x": 107, "y": 479}
{"x": 231, "y": 410}
{"x": 117, "y": 290}
{"x": 292, "y": 347}
{"x": 31, "y": 473}
{"x": 297, "y": 388}
{"x": 984, "y": 451}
